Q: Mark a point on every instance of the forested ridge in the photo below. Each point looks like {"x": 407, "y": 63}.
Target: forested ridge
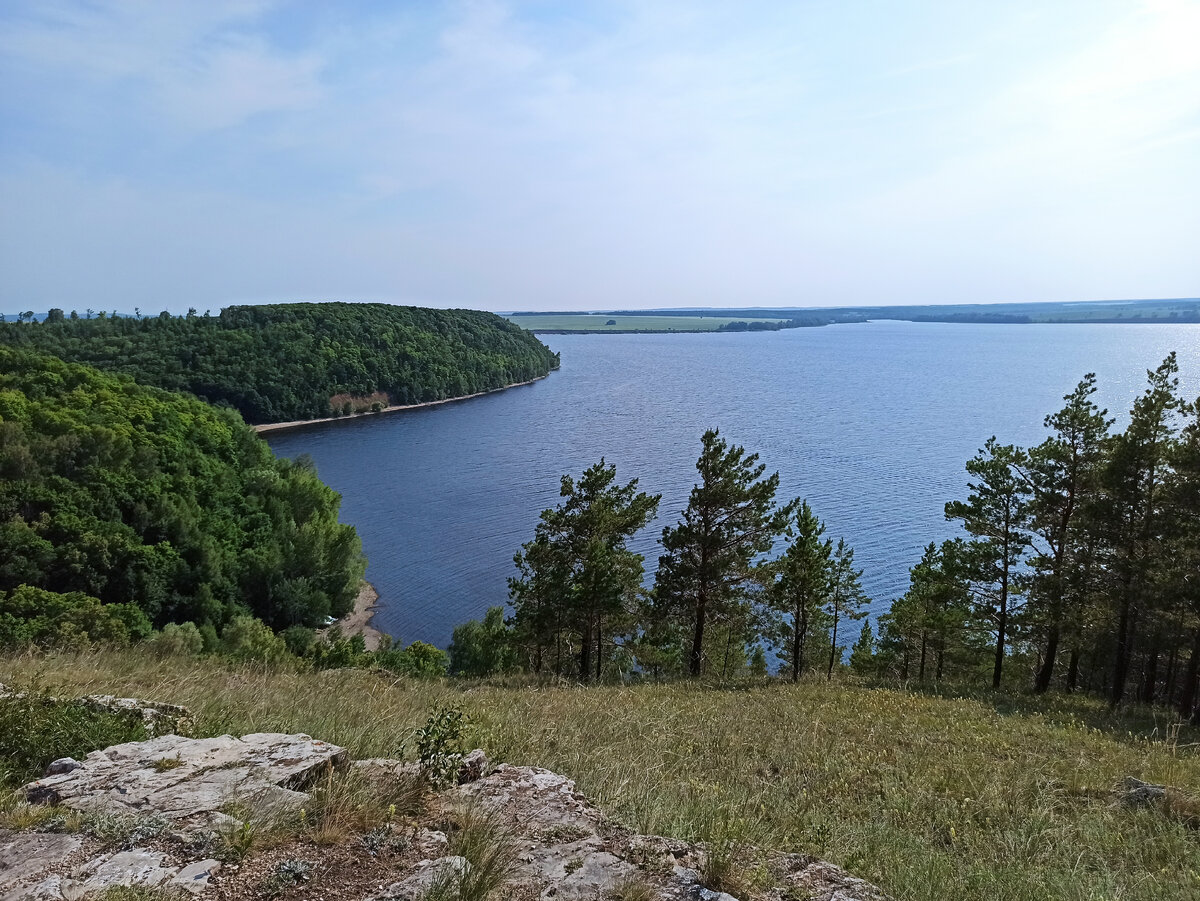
{"x": 141, "y": 498}
{"x": 281, "y": 362}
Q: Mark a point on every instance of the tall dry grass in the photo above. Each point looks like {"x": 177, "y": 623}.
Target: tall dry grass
{"x": 932, "y": 797}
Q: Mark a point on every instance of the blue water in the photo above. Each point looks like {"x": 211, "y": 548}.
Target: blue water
{"x": 872, "y": 423}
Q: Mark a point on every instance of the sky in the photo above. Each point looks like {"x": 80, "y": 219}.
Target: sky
{"x": 597, "y": 155}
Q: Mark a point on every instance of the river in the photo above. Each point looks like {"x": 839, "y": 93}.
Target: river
{"x": 872, "y": 423}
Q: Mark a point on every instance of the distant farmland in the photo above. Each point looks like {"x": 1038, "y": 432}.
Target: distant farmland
{"x": 598, "y": 322}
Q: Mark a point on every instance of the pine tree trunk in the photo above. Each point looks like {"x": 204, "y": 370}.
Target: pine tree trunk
{"x": 1073, "y": 671}
{"x": 1150, "y": 678}
{"x": 697, "y": 660}
{"x": 1169, "y": 678}
{"x": 796, "y": 643}
{"x": 1002, "y": 627}
{"x": 1046, "y": 673}
{"x": 585, "y": 654}
{"x": 921, "y": 664}
{"x": 1187, "y": 700}
{"x": 1124, "y": 652}
{"x": 832, "y": 646}
{"x": 1001, "y": 622}
{"x": 599, "y": 654}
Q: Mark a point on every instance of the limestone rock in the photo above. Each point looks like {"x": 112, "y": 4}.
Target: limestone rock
{"x": 187, "y": 779}
{"x": 1136, "y": 793}
{"x": 26, "y": 861}
{"x": 415, "y": 886}
{"x": 568, "y": 850}
{"x": 820, "y": 880}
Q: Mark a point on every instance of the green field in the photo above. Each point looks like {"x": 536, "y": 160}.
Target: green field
{"x": 597, "y": 322}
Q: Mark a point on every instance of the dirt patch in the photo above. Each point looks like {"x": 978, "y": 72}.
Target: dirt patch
{"x": 358, "y": 620}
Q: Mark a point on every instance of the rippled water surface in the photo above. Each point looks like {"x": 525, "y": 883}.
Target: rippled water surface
{"x": 872, "y": 423}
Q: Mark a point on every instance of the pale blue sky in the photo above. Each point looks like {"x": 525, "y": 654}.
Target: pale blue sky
{"x": 585, "y": 155}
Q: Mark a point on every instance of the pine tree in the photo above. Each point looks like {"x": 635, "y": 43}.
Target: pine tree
{"x": 1182, "y": 579}
{"x": 846, "y": 597}
{"x": 1132, "y": 516}
{"x": 862, "y": 655}
{"x": 995, "y": 513}
{"x": 803, "y": 586}
{"x": 709, "y": 566}
{"x": 577, "y": 575}
{"x": 1062, "y": 474}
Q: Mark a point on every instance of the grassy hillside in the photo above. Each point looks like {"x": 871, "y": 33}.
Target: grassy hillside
{"x": 932, "y": 798}
{"x": 283, "y": 362}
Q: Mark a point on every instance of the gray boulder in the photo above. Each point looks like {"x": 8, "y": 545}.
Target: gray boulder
{"x": 188, "y": 780}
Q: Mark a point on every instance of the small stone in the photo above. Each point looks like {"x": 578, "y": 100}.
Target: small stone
{"x": 417, "y": 885}
{"x": 62, "y": 765}
{"x": 194, "y": 877}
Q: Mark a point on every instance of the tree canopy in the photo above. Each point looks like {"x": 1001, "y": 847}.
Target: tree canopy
{"x": 133, "y": 495}
{"x": 280, "y": 362}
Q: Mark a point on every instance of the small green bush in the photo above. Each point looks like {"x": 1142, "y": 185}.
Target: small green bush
{"x": 247, "y": 638}
{"x": 440, "y": 744}
{"x": 176, "y": 639}
{"x": 419, "y": 661}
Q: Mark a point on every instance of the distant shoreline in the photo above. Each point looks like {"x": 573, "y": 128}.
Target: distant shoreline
{"x": 394, "y": 408}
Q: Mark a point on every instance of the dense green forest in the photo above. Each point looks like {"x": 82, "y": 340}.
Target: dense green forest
{"x": 282, "y": 362}
{"x": 156, "y": 506}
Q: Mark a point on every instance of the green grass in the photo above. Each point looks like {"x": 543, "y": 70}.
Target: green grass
{"x": 596, "y": 322}
{"x": 931, "y": 797}
{"x": 35, "y": 730}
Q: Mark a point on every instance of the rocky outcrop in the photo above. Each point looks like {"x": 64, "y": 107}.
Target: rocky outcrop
{"x": 1172, "y": 802}
{"x": 191, "y": 779}
{"x": 555, "y": 844}
{"x": 568, "y": 850}
{"x": 48, "y": 867}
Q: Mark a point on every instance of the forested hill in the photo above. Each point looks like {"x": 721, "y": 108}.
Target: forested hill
{"x": 132, "y": 495}
{"x": 281, "y": 362}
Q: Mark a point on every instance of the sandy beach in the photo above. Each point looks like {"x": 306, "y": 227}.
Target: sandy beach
{"x": 358, "y": 620}
{"x": 394, "y": 408}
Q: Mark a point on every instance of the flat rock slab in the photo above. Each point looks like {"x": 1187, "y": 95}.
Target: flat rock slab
{"x": 26, "y": 859}
{"x": 188, "y": 781}
{"x": 49, "y": 867}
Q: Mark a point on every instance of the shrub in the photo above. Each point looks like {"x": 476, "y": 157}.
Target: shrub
{"x": 419, "y": 661}
{"x": 482, "y": 648}
{"x": 31, "y": 615}
{"x": 247, "y": 638}
{"x": 440, "y": 744}
{"x": 177, "y": 639}
{"x": 299, "y": 639}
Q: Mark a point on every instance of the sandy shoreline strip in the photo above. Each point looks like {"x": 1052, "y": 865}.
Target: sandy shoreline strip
{"x": 394, "y": 408}
{"x": 358, "y": 620}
